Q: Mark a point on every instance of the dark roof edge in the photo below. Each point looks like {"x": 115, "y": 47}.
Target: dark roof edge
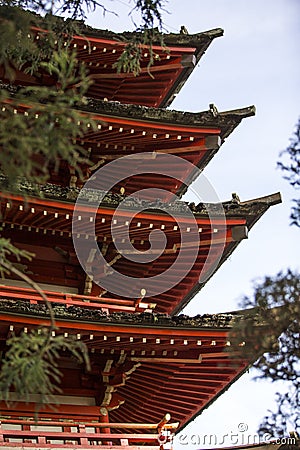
{"x": 84, "y": 315}
{"x": 175, "y": 39}
{"x": 227, "y": 121}
{"x": 273, "y": 199}
{"x": 251, "y": 209}
{"x": 152, "y": 320}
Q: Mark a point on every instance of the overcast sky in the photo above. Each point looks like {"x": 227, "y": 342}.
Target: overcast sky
{"x": 255, "y": 62}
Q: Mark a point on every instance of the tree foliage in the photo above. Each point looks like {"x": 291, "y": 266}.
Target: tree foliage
{"x": 290, "y": 165}
{"x": 272, "y": 326}
{"x": 31, "y": 365}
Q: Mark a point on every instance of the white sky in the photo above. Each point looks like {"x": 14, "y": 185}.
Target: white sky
{"x": 256, "y": 62}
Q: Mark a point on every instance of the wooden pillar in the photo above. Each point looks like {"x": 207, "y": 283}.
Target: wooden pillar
{"x": 104, "y": 418}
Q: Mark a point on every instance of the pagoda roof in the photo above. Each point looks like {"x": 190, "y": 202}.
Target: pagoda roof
{"x": 99, "y": 50}
{"x": 219, "y": 236}
{"x": 152, "y": 135}
{"x": 182, "y": 364}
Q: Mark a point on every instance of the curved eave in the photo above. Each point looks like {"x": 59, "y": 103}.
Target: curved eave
{"x": 100, "y": 50}
{"x": 180, "y": 368}
{"x": 217, "y": 239}
{"x": 153, "y": 134}
{"x": 256, "y": 209}
{"x": 156, "y": 87}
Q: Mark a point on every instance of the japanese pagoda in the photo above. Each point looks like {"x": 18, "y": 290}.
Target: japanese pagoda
{"x": 152, "y": 370}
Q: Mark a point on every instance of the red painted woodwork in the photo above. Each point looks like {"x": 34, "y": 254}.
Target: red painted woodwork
{"x": 200, "y": 370}
{"x": 139, "y": 370}
{"x": 99, "y": 53}
{"x": 46, "y": 224}
{"x": 117, "y": 137}
{"x": 40, "y": 434}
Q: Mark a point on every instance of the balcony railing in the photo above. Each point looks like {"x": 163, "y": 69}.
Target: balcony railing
{"x": 17, "y": 433}
{"x": 84, "y": 301}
